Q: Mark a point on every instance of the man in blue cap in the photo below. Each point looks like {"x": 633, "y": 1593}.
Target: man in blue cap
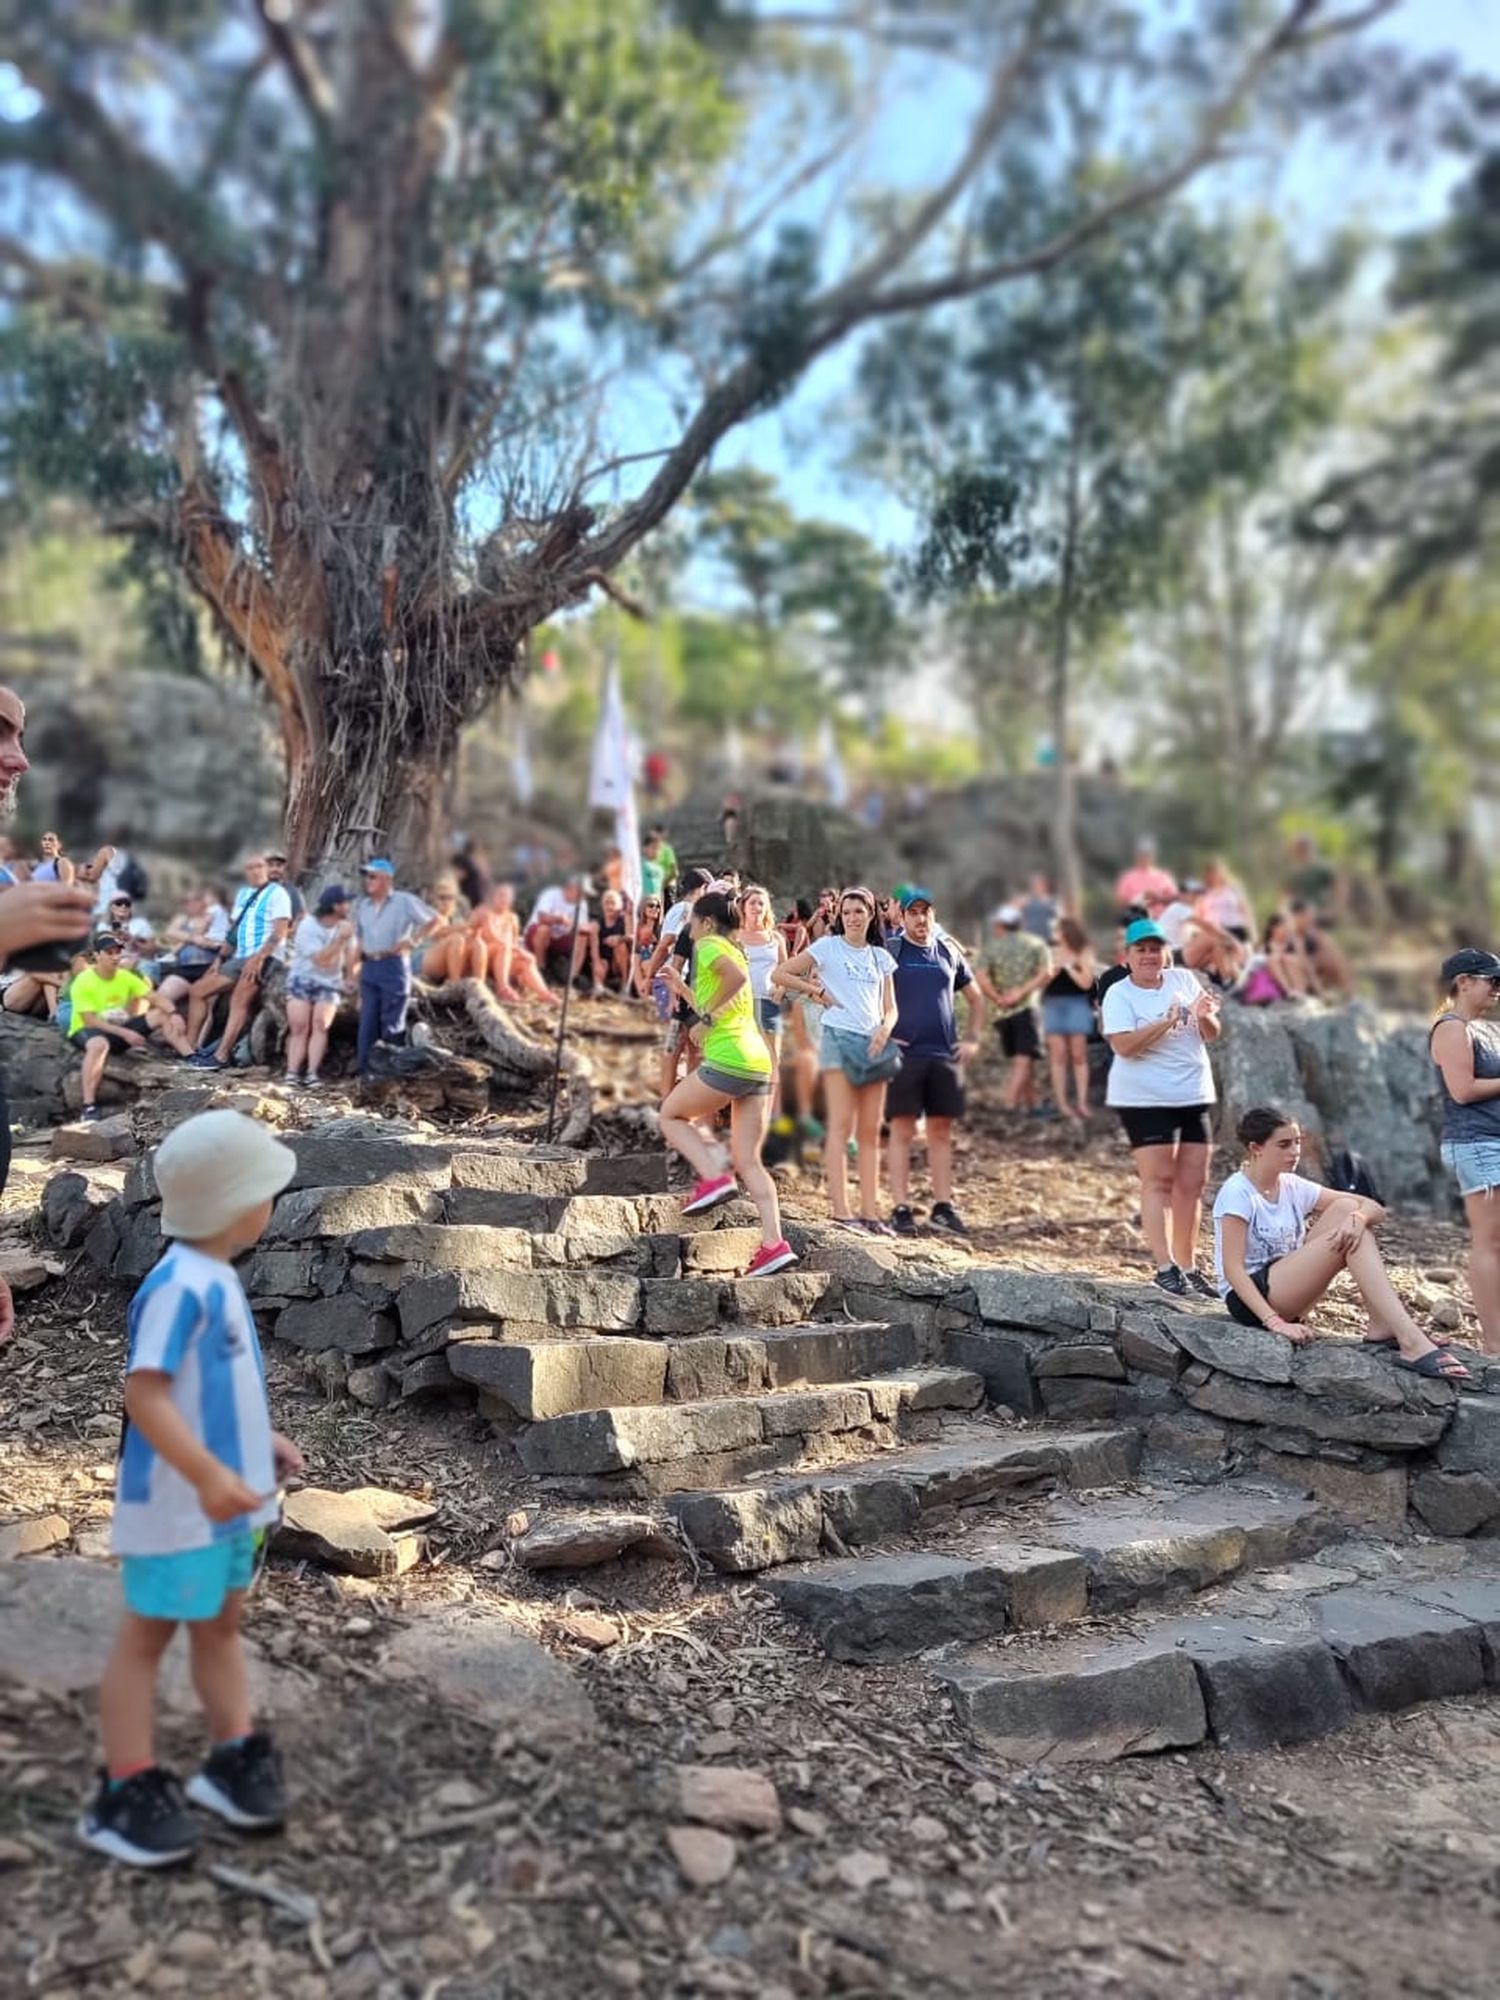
{"x": 930, "y": 970}
{"x": 388, "y": 922}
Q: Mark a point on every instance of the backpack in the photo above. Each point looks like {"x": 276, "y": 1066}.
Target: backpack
{"x": 1349, "y": 1173}
{"x": 133, "y": 881}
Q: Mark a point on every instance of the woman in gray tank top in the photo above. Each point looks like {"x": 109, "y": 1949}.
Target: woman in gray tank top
{"x": 1466, "y": 1050}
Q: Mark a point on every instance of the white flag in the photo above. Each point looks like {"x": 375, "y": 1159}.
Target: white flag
{"x": 833, "y": 764}
{"x": 612, "y": 782}
{"x": 520, "y": 765}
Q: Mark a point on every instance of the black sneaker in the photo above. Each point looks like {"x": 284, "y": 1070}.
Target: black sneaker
{"x": 89, "y": 1115}
{"x": 946, "y": 1217}
{"x": 241, "y": 1783}
{"x": 1172, "y": 1280}
{"x": 143, "y": 1822}
{"x": 1196, "y": 1282}
{"x": 903, "y": 1221}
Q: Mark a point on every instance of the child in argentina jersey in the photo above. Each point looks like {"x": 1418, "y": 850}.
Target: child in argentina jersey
{"x": 191, "y": 1322}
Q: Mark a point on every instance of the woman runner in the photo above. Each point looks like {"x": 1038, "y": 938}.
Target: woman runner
{"x": 734, "y": 1070}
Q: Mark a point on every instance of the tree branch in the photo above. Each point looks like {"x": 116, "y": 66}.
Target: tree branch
{"x": 301, "y": 67}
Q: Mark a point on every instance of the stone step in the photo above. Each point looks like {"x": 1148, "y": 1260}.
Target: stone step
{"x": 534, "y": 1379}
{"x": 655, "y": 1448}
{"x": 1066, "y": 1561}
{"x": 581, "y": 1214}
{"x": 605, "y": 1301}
{"x": 1293, "y": 1670}
{"x": 760, "y": 1524}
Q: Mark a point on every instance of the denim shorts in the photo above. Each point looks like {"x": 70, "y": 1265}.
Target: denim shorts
{"x": 1474, "y": 1162}
{"x": 192, "y": 1585}
{"x": 1068, "y": 1014}
{"x": 845, "y": 1050}
{"x": 768, "y": 1016}
{"x": 300, "y": 987}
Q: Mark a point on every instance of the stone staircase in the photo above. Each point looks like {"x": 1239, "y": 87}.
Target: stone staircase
{"x": 1105, "y": 1525}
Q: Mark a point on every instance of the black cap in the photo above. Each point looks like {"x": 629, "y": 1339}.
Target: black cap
{"x": 107, "y": 941}
{"x": 1472, "y": 963}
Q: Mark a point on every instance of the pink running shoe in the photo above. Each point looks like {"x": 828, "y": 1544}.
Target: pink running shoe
{"x": 770, "y": 1257}
{"x": 709, "y": 1194}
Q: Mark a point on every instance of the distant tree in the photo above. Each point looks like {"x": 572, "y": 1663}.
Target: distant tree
{"x": 1045, "y": 422}
{"x": 360, "y": 310}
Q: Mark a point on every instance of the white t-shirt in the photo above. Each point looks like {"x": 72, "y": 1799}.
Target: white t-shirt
{"x": 310, "y": 936}
{"x": 190, "y": 1320}
{"x": 1176, "y": 1070}
{"x": 852, "y": 979}
{"x": 553, "y": 903}
{"x": 1174, "y": 920}
{"x": 1275, "y": 1228}
{"x": 676, "y": 920}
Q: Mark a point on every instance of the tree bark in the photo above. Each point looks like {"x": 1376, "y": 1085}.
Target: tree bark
{"x": 1065, "y": 857}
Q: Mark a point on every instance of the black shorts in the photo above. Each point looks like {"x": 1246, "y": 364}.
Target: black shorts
{"x": 1235, "y": 1306}
{"x": 930, "y": 1085}
{"x": 1019, "y": 1033}
{"x": 1166, "y": 1124}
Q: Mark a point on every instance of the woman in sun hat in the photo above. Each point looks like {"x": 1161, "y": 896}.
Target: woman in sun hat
{"x": 1159, "y": 1022}
{"x": 1466, "y": 1051}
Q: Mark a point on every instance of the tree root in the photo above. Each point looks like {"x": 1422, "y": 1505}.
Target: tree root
{"x": 506, "y": 1045}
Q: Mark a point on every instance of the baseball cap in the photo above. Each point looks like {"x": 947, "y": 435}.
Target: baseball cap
{"x": 378, "y": 868}
{"x": 1472, "y": 963}
{"x": 107, "y": 941}
{"x": 1006, "y": 914}
{"x": 215, "y": 1167}
{"x": 911, "y": 892}
{"x": 1144, "y": 931}
{"x": 331, "y": 897}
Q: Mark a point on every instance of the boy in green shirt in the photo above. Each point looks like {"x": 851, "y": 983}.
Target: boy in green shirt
{"x": 104, "y": 999}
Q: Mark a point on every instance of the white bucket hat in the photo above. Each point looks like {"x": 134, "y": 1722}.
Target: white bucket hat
{"x": 215, "y": 1167}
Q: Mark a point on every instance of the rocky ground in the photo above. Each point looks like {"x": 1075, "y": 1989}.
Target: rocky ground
{"x": 504, "y": 1846}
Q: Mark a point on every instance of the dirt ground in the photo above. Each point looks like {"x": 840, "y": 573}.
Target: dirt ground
{"x": 441, "y": 1858}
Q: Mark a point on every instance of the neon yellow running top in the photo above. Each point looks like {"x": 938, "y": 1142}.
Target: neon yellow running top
{"x": 734, "y": 1043}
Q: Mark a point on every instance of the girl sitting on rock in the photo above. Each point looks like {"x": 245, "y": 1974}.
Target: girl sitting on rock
{"x": 1280, "y": 1240}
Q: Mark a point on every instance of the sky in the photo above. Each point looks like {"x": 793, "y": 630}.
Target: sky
{"x": 791, "y": 440}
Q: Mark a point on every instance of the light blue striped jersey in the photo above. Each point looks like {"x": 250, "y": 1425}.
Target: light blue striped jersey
{"x": 260, "y": 909}
{"x": 191, "y": 1320}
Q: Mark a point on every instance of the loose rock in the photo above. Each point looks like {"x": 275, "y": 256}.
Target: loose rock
{"x": 704, "y": 1856}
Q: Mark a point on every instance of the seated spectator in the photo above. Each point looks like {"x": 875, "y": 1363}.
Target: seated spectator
{"x": 511, "y": 965}
{"x": 559, "y": 913}
{"x": 457, "y": 949}
{"x": 1225, "y": 903}
{"x": 647, "y": 937}
{"x": 611, "y": 953}
{"x": 137, "y": 935}
{"x": 1144, "y": 882}
{"x": 277, "y": 864}
{"x": 106, "y": 997}
{"x": 54, "y": 865}
{"x": 1197, "y": 943}
{"x": 1276, "y": 972}
{"x": 323, "y": 955}
{"x": 36, "y": 993}
{"x": 191, "y": 943}
{"x": 1325, "y": 966}
{"x": 258, "y": 927}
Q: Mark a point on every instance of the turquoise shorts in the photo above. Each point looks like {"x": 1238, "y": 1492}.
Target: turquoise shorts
{"x": 192, "y": 1585}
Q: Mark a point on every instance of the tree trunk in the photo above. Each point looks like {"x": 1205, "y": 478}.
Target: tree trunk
{"x": 1065, "y": 857}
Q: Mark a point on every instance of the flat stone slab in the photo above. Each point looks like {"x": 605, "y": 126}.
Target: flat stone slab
{"x": 1262, "y": 1686}
{"x": 107, "y": 1139}
{"x": 480, "y": 1662}
{"x": 785, "y": 1519}
{"x": 540, "y": 1379}
{"x": 32, "y": 1537}
{"x": 1085, "y": 1703}
{"x": 317, "y": 1212}
{"x": 357, "y": 1532}
{"x": 592, "y": 1301}
{"x": 583, "y": 1540}
{"x": 1220, "y": 1342}
{"x": 1397, "y": 1651}
{"x": 58, "y": 1620}
{"x": 876, "y": 1608}
{"x": 354, "y": 1152}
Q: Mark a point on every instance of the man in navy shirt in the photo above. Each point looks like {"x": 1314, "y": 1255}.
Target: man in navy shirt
{"x": 930, "y": 970}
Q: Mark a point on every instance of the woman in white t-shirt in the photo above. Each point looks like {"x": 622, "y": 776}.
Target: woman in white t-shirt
{"x": 1280, "y": 1240}
{"x": 1159, "y": 1021}
{"x": 323, "y": 950}
{"x": 852, "y": 980}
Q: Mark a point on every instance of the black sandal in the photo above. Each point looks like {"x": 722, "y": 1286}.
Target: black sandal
{"x": 1438, "y": 1365}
